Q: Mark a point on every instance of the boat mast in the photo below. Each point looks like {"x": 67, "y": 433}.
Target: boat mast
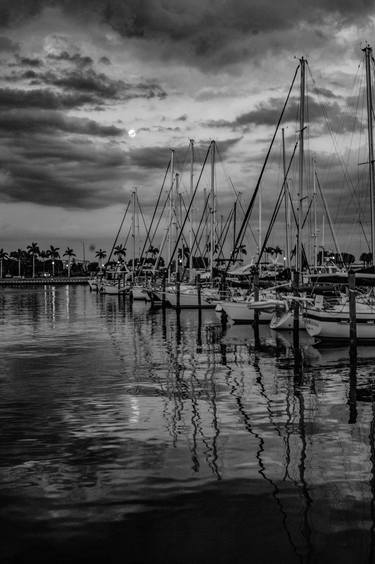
{"x": 315, "y": 257}
{"x": 170, "y": 214}
{"x": 191, "y": 218}
{"x": 368, "y": 56}
{"x": 301, "y": 168}
{"x": 177, "y": 222}
{"x": 212, "y": 210}
{"x": 133, "y": 231}
{"x": 286, "y": 204}
{"x": 260, "y": 229}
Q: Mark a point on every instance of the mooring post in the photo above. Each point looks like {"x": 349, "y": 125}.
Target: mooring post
{"x": 352, "y": 399}
{"x": 178, "y": 291}
{"x": 223, "y": 286}
{"x": 163, "y": 287}
{"x": 199, "y": 290}
{"x": 296, "y": 309}
{"x": 352, "y": 314}
{"x": 199, "y": 331}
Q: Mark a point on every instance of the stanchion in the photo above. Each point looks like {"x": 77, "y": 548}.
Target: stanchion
{"x": 199, "y": 290}
{"x": 352, "y": 315}
{"x": 178, "y": 292}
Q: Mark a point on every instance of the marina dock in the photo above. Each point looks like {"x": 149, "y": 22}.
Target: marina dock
{"x": 42, "y": 281}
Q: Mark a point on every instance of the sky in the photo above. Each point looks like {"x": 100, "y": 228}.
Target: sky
{"x": 95, "y": 93}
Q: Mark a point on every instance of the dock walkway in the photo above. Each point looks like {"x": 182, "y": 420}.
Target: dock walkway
{"x": 43, "y": 281}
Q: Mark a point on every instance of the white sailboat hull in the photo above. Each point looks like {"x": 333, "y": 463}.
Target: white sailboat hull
{"x": 335, "y": 325}
{"x": 189, "y": 300}
{"x": 138, "y": 293}
{"x": 108, "y": 288}
{"x": 239, "y": 312}
{"x": 284, "y": 320}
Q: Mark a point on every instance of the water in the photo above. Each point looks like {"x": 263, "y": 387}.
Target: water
{"x": 129, "y": 437}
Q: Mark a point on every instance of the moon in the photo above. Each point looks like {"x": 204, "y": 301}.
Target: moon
{"x": 132, "y": 133}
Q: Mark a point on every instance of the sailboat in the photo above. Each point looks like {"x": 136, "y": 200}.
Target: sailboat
{"x": 331, "y": 321}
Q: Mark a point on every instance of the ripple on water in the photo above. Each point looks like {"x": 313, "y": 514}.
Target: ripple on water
{"x": 127, "y": 432}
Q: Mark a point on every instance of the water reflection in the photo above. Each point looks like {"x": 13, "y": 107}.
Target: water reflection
{"x": 122, "y": 422}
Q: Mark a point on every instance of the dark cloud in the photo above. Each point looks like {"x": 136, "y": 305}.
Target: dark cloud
{"x": 104, "y": 61}
{"x": 76, "y": 58}
{"x": 42, "y": 98}
{"x": 331, "y": 115}
{"x": 223, "y": 31}
{"x": 325, "y": 93}
{"x": 29, "y": 62}
{"x": 74, "y": 87}
{"x": 51, "y": 121}
{"x": 55, "y": 167}
{"x": 102, "y": 87}
{"x": 158, "y": 157}
{"x": 7, "y": 44}
{"x": 48, "y": 168}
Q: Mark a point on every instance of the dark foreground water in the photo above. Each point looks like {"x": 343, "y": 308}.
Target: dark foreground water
{"x": 129, "y": 437}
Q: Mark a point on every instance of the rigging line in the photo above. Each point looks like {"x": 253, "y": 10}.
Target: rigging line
{"x": 196, "y": 240}
{"x": 162, "y": 213}
{"x": 358, "y": 87}
{"x": 277, "y": 207}
{"x": 224, "y": 234}
{"x": 246, "y": 219}
{"x": 156, "y": 207}
{"x": 189, "y": 208}
{"x": 195, "y": 233}
{"x": 328, "y": 217}
{"x": 236, "y": 193}
{"x": 307, "y": 214}
{"x": 343, "y": 165}
{"x": 147, "y": 233}
{"x": 119, "y": 230}
{"x": 127, "y": 237}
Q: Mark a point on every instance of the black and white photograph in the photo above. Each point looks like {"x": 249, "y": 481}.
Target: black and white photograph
{"x": 187, "y": 282}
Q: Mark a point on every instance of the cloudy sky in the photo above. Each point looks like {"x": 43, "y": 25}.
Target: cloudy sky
{"x": 77, "y": 76}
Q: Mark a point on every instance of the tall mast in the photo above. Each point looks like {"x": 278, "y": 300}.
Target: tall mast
{"x": 368, "y": 56}
{"x": 177, "y": 221}
{"x": 315, "y": 249}
{"x": 286, "y": 203}
{"x": 301, "y": 168}
{"x": 212, "y": 210}
{"x": 234, "y": 222}
{"x": 170, "y": 214}
{"x": 133, "y": 230}
{"x": 191, "y": 218}
{"x": 260, "y": 228}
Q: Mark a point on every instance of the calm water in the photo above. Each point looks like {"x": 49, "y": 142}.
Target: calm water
{"x": 129, "y": 437}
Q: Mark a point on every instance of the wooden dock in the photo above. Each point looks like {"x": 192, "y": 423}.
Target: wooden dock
{"x": 43, "y": 281}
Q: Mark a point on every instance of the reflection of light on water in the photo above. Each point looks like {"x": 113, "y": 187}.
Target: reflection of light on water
{"x": 67, "y": 301}
{"x": 53, "y": 305}
{"x": 135, "y": 412}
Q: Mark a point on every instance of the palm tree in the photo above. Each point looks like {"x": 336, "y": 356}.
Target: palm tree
{"x": 3, "y": 256}
{"x": 242, "y": 249}
{"x": 43, "y": 255}
{"x": 53, "y": 253}
{"x": 69, "y": 253}
{"x": 33, "y": 250}
{"x": 120, "y": 252}
{"x": 101, "y": 254}
{"x": 19, "y": 254}
{"x": 277, "y": 251}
